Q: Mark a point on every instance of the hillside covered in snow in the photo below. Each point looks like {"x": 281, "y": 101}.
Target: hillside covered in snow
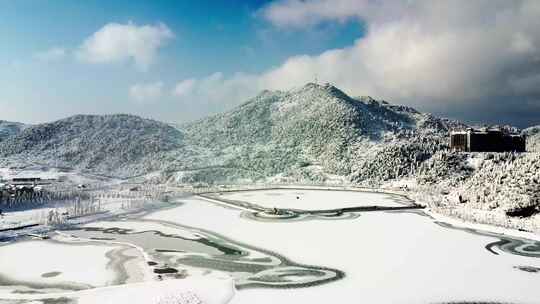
{"x": 121, "y": 145}
{"x": 312, "y": 134}
{"x": 533, "y": 138}
{"x": 8, "y": 129}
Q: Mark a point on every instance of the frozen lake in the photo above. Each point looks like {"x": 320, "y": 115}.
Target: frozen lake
{"x": 312, "y": 199}
{"x": 372, "y": 257}
{"x": 23, "y": 266}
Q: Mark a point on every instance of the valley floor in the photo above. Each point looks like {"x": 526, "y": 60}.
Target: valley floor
{"x": 298, "y": 241}
{"x": 324, "y": 241}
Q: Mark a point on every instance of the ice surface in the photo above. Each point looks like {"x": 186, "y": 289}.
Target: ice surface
{"x": 314, "y": 199}
{"x": 387, "y": 257}
{"x": 50, "y": 264}
{"x": 199, "y": 290}
{"x": 136, "y": 227}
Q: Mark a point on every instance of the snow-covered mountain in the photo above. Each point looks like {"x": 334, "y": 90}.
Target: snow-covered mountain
{"x": 8, "y": 128}
{"x": 533, "y": 138}
{"x": 318, "y": 133}
{"x": 315, "y": 131}
{"x": 306, "y": 134}
{"x": 122, "y": 145}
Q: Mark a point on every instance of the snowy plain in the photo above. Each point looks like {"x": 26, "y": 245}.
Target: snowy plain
{"x": 46, "y": 172}
{"x": 194, "y": 290}
{"x": 57, "y": 266}
{"x": 312, "y": 199}
{"x": 387, "y": 257}
{"x": 398, "y": 257}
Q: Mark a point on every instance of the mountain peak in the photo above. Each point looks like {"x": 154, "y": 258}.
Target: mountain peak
{"x": 326, "y": 87}
{"x": 317, "y": 91}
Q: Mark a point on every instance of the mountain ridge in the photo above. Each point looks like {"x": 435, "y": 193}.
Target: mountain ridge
{"x": 9, "y": 128}
{"x": 96, "y": 143}
{"x": 279, "y": 132}
{"x": 312, "y": 134}
{"x": 302, "y": 134}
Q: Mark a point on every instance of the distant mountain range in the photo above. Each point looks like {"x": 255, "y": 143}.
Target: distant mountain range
{"x": 8, "y": 129}
{"x": 110, "y": 144}
{"x": 313, "y": 133}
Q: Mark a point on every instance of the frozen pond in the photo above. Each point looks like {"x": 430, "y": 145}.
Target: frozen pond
{"x": 54, "y": 266}
{"x": 387, "y": 257}
{"x": 178, "y": 251}
{"x": 312, "y": 199}
{"x": 372, "y": 257}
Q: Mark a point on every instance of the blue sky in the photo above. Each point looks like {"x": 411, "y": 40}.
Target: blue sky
{"x": 209, "y": 37}
{"x": 177, "y": 61}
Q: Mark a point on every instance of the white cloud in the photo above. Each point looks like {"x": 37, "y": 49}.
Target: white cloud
{"x": 52, "y": 54}
{"x": 429, "y": 50}
{"x": 216, "y": 88}
{"x": 438, "y": 55}
{"x": 146, "y": 92}
{"x": 184, "y": 87}
{"x": 116, "y": 42}
{"x": 215, "y": 93}
{"x": 300, "y": 14}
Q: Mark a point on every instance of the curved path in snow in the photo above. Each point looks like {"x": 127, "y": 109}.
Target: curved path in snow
{"x": 404, "y": 203}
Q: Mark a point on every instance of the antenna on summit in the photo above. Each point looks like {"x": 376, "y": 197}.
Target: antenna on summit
{"x": 316, "y": 80}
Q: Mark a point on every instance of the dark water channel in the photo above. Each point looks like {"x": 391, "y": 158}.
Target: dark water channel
{"x": 174, "y": 254}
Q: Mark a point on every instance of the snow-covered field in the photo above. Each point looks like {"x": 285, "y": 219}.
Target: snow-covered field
{"x": 174, "y": 251}
{"x": 305, "y": 199}
{"x": 46, "y": 172}
{"x": 52, "y": 266}
{"x": 26, "y": 217}
{"x": 386, "y": 257}
{"x": 39, "y": 215}
{"x": 196, "y": 290}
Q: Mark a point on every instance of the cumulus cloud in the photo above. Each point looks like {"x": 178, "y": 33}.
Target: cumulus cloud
{"x": 146, "y": 92}
{"x": 301, "y": 14}
{"x": 116, "y": 42}
{"x": 52, "y": 54}
{"x": 475, "y": 60}
{"x": 215, "y": 93}
{"x": 184, "y": 87}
